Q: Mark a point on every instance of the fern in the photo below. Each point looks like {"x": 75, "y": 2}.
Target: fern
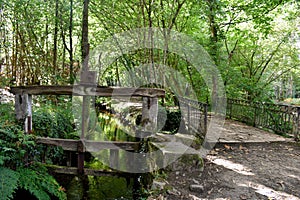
{"x": 40, "y": 184}
{"x": 8, "y": 182}
{"x": 18, "y": 171}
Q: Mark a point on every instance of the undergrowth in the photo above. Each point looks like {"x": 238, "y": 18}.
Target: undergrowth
{"x": 18, "y": 167}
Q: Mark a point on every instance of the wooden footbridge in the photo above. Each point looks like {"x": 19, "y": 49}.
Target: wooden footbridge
{"x": 194, "y": 121}
{"x": 148, "y": 97}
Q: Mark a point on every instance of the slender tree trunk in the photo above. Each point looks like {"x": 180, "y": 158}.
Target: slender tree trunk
{"x": 86, "y": 99}
{"x": 85, "y": 41}
{"x": 72, "y": 75}
{"x": 214, "y": 51}
{"x": 54, "y": 64}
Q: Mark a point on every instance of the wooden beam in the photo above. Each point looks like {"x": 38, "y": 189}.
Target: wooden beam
{"x": 23, "y": 110}
{"x": 86, "y": 171}
{"x": 90, "y": 146}
{"x": 42, "y": 90}
{"x": 81, "y": 90}
{"x": 66, "y": 144}
{"x": 95, "y": 146}
{"x": 149, "y": 114}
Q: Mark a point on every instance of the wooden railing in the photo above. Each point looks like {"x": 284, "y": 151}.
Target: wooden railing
{"x": 283, "y": 119}
{"x": 149, "y": 99}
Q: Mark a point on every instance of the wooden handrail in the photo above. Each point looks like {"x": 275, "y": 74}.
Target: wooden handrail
{"x": 87, "y": 90}
{"x": 92, "y": 146}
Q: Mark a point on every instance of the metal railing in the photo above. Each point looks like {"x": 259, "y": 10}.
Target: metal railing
{"x": 283, "y": 119}
{"x": 194, "y": 114}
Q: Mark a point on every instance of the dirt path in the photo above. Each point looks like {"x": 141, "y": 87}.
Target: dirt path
{"x": 244, "y": 165}
{"x": 237, "y": 132}
{"x": 251, "y": 171}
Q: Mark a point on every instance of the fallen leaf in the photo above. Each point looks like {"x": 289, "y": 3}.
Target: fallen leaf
{"x": 243, "y": 148}
{"x": 227, "y": 147}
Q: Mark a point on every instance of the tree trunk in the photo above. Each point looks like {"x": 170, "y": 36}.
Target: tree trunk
{"x": 54, "y": 63}
{"x": 72, "y": 76}
{"x": 85, "y": 40}
{"x": 213, "y": 45}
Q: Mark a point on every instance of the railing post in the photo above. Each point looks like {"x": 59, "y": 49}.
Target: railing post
{"x": 189, "y": 115}
{"x": 23, "y": 109}
{"x": 205, "y": 118}
{"x": 297, "y": 123}
{"x": 87, "y": 78}
{"x": 149, "y": 114}
{"x": 148, "y": 127}
{"x": 255, "y": 113}
{"x": 229, "y": 105}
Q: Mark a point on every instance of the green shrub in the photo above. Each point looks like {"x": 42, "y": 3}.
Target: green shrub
{"x": 53, "y": 122}
{"x": 173, "y": 121}
{"x": 18, "y": 166}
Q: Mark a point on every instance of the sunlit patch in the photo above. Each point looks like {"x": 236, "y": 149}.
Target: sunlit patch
{"x": 241, "y": 169}
{"x": 293, "y": 176}
{"x": 193, "y": 197}
{"x": 269, "y": 192}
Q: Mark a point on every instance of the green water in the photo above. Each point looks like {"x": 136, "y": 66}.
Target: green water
{"x": 100, "y": 188}
{"x": 106, "y": 187}
{"x": 109, "y": 188}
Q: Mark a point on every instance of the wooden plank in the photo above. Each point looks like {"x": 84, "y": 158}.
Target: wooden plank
{"x": 84, "y": 130}
{"x": 171, "y": 151}
{"x": 89, "y": 172}
{"x": 23, "y": 110}
{"x": 82, "y": 90}
{"x": 149, "y": 114}
{"x": 114, "y": 159}
{"x": 90, "y": 146}
{"x": 177, "y": 148}
{"x": 41, "y": 90}
{"x": 66, "y": 144}
{"x": 95, "y": 146}
{"x": 21, "y": 104}
{"x": 28, "y": 121}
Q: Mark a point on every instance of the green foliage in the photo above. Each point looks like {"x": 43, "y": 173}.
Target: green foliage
{"x": 8, "y": 182}
{"x": 39, "y": 183}
{"x": 13, "y": 142}
{"x": 18, "y": 166}
{"x": 55, "y": 122}
{"x": 253, "y": 43}
{"x": 173, "y": 121}
{"x": 36, "y": 180}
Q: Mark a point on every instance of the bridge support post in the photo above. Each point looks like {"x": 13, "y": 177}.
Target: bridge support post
{"x": 87, "y": 78}
{"x": 149, "y": 114}
{"x": 81, "y": 150}
{"x": 23, "y": 109}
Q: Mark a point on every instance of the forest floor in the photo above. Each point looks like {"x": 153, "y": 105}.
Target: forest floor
{"x": 247, "y": 163}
